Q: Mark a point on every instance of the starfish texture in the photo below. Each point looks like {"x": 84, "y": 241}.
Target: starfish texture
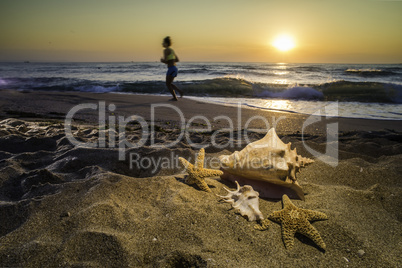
{"x": 297, "y": 220}
{"x": 262, "y": 225}
{"x": 197, "y": 173}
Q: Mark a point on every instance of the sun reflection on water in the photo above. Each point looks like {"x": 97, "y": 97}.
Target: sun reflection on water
{"x": 281, "y": 70}
{"x": 277, "y": 104}
{"x": 281, "y": 81}
{"x": 280, "y": 73}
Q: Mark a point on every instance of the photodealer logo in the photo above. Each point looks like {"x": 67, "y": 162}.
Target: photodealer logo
{"x": 331, "y": 154}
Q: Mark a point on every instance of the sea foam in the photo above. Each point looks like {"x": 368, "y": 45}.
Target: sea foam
{"x": 297, "y": 92}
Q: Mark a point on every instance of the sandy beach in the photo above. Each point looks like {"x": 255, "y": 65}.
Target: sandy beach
{"x": 69, "y": 206}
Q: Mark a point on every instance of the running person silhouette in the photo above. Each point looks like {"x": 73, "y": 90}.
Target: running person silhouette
{"x": 170, "y": 58}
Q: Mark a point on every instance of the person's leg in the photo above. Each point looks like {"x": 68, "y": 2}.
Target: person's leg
{"x": 169, "y": 80}
{"x": 177, "y": 89}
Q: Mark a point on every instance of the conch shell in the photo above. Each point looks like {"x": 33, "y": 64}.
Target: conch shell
{"x": 269, "y": 165}
{"x": 245, "y": 201}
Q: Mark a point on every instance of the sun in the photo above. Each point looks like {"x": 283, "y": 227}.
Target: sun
{"x": 284, "y": 43}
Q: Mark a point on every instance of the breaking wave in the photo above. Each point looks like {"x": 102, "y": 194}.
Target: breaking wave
{"x": 374, "y": 92}
{"x": 370, "y": 72}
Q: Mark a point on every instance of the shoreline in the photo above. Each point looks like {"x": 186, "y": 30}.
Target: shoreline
{"x": 254, "y": 106}
{"x": 57, "y": 104}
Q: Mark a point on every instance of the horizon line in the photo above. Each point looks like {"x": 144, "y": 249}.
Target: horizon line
{"x": 67, "y": 61}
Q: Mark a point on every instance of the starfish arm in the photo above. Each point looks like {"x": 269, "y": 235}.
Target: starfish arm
{"x": 263, "y": 225}
{"x": 309, "y": 231}
{"x": 197, "y": 173}
{"x": 312, "y": 215}
{"x": 276, "y": 216}
{"x": 288, "y": 234}
{"x": 185, "y": 163}
{"x": 287, "y": 203}
{"x": 200, "y": 159}
{"x": 191, "y": 179}
{"x": 203, "y": 186}
{"x": 211, "y": 172}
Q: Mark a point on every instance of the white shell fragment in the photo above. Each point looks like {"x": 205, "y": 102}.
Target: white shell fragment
{"x": 245, "y": 201}
{"x": 269, "y": 165}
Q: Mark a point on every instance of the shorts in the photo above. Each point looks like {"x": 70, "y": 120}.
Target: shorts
{"x": 172, "y": 71}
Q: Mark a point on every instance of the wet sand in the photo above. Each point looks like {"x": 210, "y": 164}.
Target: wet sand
{"x": 63, "y": 205}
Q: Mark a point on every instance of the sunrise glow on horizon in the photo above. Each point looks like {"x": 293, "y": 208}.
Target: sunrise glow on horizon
{"x": 205, "y": 31}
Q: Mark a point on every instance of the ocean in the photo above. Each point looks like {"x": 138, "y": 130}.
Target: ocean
{"x": 372, "y": 91}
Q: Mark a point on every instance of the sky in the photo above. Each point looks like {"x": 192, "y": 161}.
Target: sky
{"x": 324, "y": 31}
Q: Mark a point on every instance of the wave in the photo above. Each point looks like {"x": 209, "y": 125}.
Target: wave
{"x": 232, "y": 87}
{"x": 195, "y": 71}
{"x": 363, "y": 91}
{"x": 43, "y": 83}
{"x": 302, "y": 69}
{"x": 372, "y": 92}
{"x": 370, "y": 72}
{"x": 98, "y": 89}
{"x": 297, "y": 92}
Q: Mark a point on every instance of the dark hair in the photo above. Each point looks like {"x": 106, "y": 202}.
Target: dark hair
{"x": 167, "y": 40}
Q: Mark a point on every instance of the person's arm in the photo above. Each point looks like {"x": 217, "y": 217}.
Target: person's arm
{"x": 165, "y": 54}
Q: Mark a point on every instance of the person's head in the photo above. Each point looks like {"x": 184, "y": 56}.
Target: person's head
{"x": 167, "y": 42}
